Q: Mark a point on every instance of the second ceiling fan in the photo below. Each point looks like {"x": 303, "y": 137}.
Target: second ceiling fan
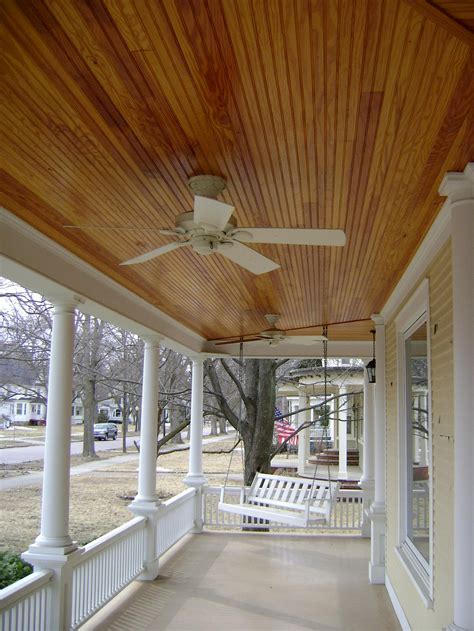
{"x": 211, "y": 229}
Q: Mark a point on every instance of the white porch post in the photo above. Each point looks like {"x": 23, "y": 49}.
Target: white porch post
{"x": 377, "y": 510}
{"x": 53, "y": 546}
{"x": 195, "y": 477}
{"x": 146, "y": 502}
{"x": 367, "y": 482}
{"x": 459, "y": 187}
{"x": 342, "y": 416}
{"x": 304, "y": 435}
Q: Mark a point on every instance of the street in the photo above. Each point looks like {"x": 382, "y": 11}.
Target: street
{"x": 17, "y": 455}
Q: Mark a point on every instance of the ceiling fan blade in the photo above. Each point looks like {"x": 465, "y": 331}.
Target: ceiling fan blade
{"x": 306, "y": 340}
{"x": 211, "y": 212}
{"x": 292, "y": 236}
{"x": 156, "y": 252}
{"x": 97, "y": 227}
{"x": 237, "y": 341}
{"x": 249, "y": 259}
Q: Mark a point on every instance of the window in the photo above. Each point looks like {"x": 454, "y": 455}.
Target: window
{"x": 76, "y": 410}
{"x": 21, "y": 408}
{"x": 415, "y": 532}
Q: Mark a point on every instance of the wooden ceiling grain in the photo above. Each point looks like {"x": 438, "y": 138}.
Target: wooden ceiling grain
{"x": 319, "y": 114}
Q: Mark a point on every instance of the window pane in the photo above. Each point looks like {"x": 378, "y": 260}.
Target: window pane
{"x": 418, "y": 428}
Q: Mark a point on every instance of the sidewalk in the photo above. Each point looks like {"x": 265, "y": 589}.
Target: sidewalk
{"x": 19, "y": 481}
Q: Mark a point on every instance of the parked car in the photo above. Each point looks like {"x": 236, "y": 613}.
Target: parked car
{"x": 104, "y": 431}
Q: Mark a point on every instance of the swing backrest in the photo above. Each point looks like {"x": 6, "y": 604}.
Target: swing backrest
{"x": 294, "y": 493}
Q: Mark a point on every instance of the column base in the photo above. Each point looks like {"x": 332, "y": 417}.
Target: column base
{"x": 195, "y": 481}
{"x": 51, "y": 547}
{"x": 376, "y": 574}
{"x": 342, "y": 475}
{"x": 377, "y": 517}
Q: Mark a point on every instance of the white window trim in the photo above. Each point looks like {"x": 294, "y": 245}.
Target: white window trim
{"x": 415, "y": 312}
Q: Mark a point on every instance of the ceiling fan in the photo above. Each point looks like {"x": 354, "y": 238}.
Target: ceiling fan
{"x": 272, "y": 335}
{"x": 210, "y": 228}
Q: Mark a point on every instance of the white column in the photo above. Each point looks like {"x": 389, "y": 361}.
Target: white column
{"x": 304, "y": 435}
{"x": 146, "y": 502}
{"x": 195, "y": 476}
{"x": 343, "y": 403}
{"x": 377, "y": 510}
{"x": 148, "y": 426}
{"x": 54, "y": 548}
{"x": 367, "y": 482}
{"x": 54, "y": 535}
{"x": 459, "y": 187}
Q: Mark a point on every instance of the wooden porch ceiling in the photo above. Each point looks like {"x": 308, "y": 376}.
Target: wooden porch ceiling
{"x": 322, "y": 114}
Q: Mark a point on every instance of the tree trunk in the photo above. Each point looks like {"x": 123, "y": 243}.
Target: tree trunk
{"x": 124, "y": 422}
{"x": 257, "y": 430}
{"x": 257, "y": 392}
{"x": 90, "y": 416}
{"x": 176, "y": 418}
{"x": 213, "y": 426}
{"x": 222, "y": 426}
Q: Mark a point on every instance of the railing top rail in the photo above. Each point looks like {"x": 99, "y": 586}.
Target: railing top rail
{"x": 18, "y": 590}
{"x": 350, "y": 493}
{"x": 175, "y": 501}
{"x": 92, "y": 548}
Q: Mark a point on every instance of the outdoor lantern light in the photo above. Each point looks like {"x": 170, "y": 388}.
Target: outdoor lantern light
{"x": 371, "y": 365}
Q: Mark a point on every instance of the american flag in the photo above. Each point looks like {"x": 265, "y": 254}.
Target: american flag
{"x": 284, "y": 429}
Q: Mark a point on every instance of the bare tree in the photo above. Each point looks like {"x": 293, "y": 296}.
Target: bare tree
{"x": 253, "y": 413}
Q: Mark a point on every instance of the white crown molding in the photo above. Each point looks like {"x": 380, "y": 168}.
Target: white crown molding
{"x": 36, "y": 261}
{"x": 437, "y": 236}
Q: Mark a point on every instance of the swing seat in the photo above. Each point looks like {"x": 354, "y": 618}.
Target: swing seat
{"x": 285, "y": 500}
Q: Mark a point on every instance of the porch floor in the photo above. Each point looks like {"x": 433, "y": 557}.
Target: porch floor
{"x": 218, "y": 581}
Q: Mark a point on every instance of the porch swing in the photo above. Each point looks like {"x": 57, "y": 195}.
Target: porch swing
{"x": 285, "y": 500}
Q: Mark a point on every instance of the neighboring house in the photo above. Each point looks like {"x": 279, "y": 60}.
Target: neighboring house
{"x": 22, "y": 409}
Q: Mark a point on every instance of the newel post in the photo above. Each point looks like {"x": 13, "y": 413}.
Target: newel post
{"x": 195, "y": 477}
{"x": 146, "y": 503}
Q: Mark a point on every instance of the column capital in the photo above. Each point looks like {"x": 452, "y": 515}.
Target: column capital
{"x": 377, "y": 319}
{"x": 458, "y": 186}
{"x": 197, "y": 359}
{"x": 152, "y": 340}
{"x": 64, "y": 303}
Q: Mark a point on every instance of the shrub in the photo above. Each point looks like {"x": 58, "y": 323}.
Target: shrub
{"x": 12, "y": 568}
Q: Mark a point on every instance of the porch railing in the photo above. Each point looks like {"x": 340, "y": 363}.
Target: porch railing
{"x": 105, "y": 567}
{"x": 24, "y": 604}
{"x": 177, "y": 518}
{"x": 346, "y": 516}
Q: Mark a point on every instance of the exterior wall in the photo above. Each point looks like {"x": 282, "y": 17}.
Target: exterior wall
{"x": 419, "y": 616}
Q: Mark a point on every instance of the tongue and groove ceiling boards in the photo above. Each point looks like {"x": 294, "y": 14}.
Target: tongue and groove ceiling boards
{"x": 319, "y": 114}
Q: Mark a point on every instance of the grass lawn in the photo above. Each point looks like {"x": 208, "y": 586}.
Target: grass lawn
{"x": 99, "y": 499}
